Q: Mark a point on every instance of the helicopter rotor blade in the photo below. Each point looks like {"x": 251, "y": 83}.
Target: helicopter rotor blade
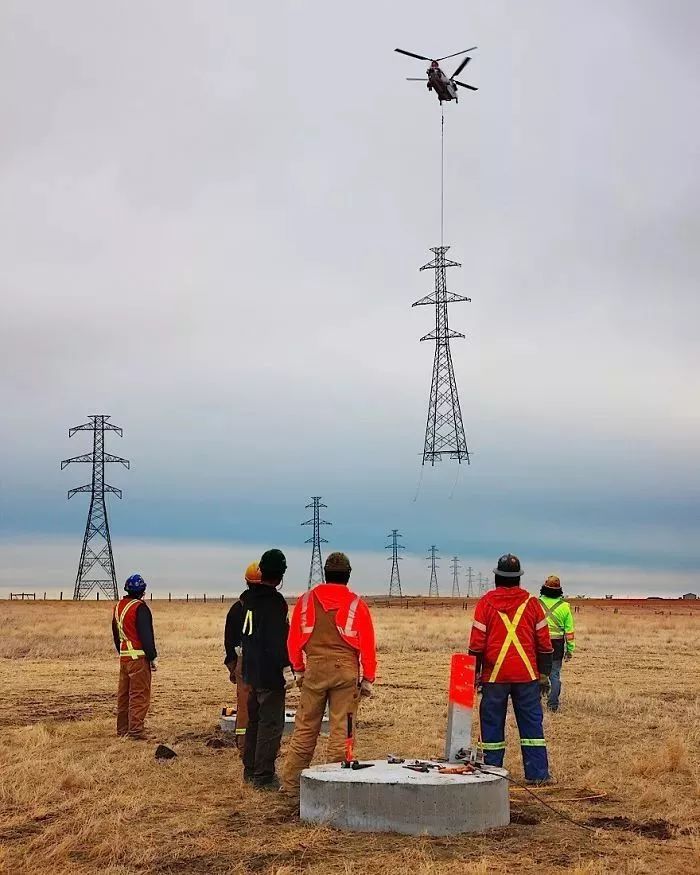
{"x": 414, "y": 79}
{"x": 455, "y": 54}
{"x": 461, "y": 66}
{"x": 464, "y": 85}
{"x": 413, "y": 55}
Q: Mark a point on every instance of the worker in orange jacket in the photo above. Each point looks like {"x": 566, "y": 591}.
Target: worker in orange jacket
{"x": 510, "y": 639}
{"x": 333, "y": 655}
{"x": 132, "y": 630}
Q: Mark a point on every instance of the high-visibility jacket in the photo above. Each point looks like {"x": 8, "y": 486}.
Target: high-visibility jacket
{"x": 508, "y": 632}
{"x": 560, "y": 620}
{"x": 125, "y": 618}
{"x": 352, "y": 618}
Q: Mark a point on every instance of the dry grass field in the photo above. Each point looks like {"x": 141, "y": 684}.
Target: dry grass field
{"x": 74, "y": 799}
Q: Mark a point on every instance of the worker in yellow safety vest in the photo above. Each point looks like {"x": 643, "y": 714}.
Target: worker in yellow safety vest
{"x": 561, "y": 630}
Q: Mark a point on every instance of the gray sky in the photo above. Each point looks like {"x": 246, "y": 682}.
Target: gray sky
{"x": 211, "y": 220}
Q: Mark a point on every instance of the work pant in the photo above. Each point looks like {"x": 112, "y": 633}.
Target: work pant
{"x": 133, "y": 696}
{"x": 263, "y": 734}
{"x": 528, "y": 715}
{"x": 242, "y": 693}
{"x": 328, "y": 680}
{"x": 555, "y": 679}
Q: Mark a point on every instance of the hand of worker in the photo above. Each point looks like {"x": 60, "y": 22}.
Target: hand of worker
{"x": 231, "y": 666}
{"x": 289, "y": 679}
{"x": 366, "y": 688}
{"x": 568, "y": 655}
{"x": 545, "y": 685}
{"x": 154, "y": 667}
{"x": 300, "y": 679}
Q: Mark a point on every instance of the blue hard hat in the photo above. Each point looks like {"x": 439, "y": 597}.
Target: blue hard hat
{"x": 135, "y": 584}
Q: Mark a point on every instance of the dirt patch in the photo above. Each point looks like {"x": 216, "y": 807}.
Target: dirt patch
{"x": 523, "y": 818}
{"x": 651, "y": 829}
{"x": 51, "y": 708}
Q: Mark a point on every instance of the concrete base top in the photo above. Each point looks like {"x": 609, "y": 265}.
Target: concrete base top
{"x": 383, "y": 772}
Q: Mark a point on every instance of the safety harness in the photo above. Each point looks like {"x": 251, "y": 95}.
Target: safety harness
{"x": 126, "y": 648}
{"x": 512, "y": 638}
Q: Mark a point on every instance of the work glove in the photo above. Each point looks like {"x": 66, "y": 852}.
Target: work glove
{"x": 289, "y": 680}
{"x": 545, "y": 685}
{"x": 300, "y": 679}
{"x": 154, "y": 667}
{"x": 366, "y": 688}
{"x": 568, "y": 655}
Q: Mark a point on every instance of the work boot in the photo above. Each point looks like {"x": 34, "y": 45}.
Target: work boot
{"x": 272, "y": 783}
{"x": 549, "y": 781}
{"x": 248, "y": 777}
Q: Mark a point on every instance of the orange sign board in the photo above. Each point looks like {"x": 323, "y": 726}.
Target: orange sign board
{"x": 462, "y": 674}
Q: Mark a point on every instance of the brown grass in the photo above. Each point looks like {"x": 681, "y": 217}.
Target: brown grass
{"x": 74, "y": 799}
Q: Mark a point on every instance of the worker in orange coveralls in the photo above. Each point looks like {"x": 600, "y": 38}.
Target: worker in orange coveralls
{"x": 232, "y": 638}
{"x": 333, "y": 655}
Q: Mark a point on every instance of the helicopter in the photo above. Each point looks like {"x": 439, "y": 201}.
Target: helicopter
{"x": 445, "y": 87}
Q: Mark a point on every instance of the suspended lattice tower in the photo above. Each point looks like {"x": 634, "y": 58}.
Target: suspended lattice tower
{"x": 444, "y": 430}
{"x": 96, "y": 566}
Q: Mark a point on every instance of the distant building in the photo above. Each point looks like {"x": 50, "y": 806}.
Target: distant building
{"x": 655, "y": 598}
{"x": 690, "y": 595}
{"x": 608, "y": 596}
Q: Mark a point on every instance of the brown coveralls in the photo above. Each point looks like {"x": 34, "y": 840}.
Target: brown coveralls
{"x": 133, "y": 696}
{"x": 331, "y": 676}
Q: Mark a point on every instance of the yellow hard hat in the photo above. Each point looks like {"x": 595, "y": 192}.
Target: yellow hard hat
{"x": 252, "y": 573}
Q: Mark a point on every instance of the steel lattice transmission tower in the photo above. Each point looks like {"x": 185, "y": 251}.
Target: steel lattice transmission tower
{"x": 455, "y": 577}
{"x": 470, "y": 578}
{"x": 96, "y": 566}
{"x": 444, "y": 430}
{"x": 316, "y": 570}
{"x": 395, "y": 579}
{"x": 434, "y": 590}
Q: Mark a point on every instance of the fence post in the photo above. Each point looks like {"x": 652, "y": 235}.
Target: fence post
{"x": 150, "y": 595}
{"x": 187, "y": 597}
{"x": 222, "y": 600}
{"x": 60, "y": 597}
{"x": 98, "y": 595}
{"x": 205, "y": 598}
{"x": 169, "y": 597}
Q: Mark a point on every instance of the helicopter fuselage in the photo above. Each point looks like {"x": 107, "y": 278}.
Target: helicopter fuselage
{"x": 444, "y": 88}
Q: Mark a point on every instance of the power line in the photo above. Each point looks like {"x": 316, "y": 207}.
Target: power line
{"x": 433, "y": 590}
{"x": 316, "y": 568}
{"x": 395, "y": 579}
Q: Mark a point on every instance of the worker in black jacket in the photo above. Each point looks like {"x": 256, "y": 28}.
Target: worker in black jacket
{"x": 263, "y": 637}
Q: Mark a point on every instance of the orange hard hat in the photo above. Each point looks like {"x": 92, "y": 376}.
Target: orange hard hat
{"x": 252, "y": 573}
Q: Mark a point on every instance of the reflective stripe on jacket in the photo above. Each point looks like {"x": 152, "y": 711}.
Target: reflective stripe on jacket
{"x": 125, "y": 618}
{"x": 509, "y": 630}
{"x": 560, "y": 620}
{"x": 353, "y": 621}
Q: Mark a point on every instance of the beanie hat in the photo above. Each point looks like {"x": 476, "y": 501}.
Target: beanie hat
{"x": 552, "y": 587}
{"x": 337, "y": 562}
{"x": 273, "y": 563}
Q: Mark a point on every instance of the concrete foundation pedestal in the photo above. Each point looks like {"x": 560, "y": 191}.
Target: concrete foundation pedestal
{"x": 390, "y": 798}
{"x": 228, "y": 724}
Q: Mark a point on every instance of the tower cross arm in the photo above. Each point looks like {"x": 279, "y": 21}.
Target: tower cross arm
{"x": 86, "y": 457}
{"x": 311, "y": 540}
{"x": 108, "y": 457}
{"x": 442, "y": 335}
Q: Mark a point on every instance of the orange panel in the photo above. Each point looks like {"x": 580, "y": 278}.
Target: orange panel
{"x": 462, "y": 672}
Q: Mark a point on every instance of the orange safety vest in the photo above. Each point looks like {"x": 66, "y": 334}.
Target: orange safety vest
{"x": 125, "y": 618}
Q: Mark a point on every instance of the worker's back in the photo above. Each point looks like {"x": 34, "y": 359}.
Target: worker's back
{"x": 325, "y": 639}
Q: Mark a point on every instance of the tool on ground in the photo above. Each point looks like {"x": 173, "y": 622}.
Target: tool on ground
{"x": 466, "y": 769}
{"x": 227, "y": 711}
{"x": 421, "y": 766}
{"x": 394, "y": 760}
{"x": 350, "y": 762}
{"x": 472, "y": 755}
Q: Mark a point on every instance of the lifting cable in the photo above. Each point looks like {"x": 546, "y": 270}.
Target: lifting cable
{"x": 442, "y": 176}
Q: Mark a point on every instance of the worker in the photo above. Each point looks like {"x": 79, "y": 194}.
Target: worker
{"x": 132, "y": 630}
{"x": 263, "y": 636}
{"x": 232, "y": 633}
{"x": 333, "y": 655}
{"x": 510, "y": 639}
{"x": 561, "y": 630}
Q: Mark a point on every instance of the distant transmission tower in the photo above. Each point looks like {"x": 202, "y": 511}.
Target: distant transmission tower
{"x": 96, "y": 566}
{"x": 470, "y": 578}
{"x": 455, "y": 577}
{"x": 316, "y": 570}
{"x": 482, "y": 584}
{"x": 434, "y": 591}
{"x": 444, "y": 430}
{"x": 395, "y": 579}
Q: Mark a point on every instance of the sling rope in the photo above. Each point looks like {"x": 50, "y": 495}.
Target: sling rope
{"x": 442, "y": 176}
